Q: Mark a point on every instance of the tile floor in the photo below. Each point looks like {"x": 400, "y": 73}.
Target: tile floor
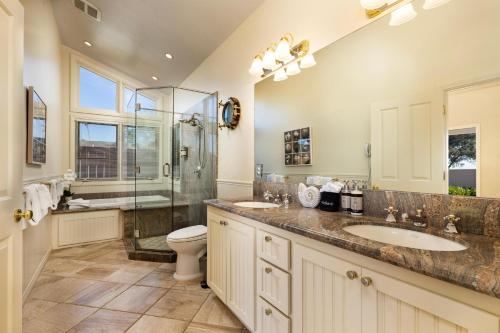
{"x": 95, "y": 288}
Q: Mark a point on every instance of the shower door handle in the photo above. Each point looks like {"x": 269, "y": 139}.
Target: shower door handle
{"x": 166, "y": 173}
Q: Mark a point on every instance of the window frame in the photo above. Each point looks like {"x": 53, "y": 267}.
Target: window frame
{"x": 120, "y": 122}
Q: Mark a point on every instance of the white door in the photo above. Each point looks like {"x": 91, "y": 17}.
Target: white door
{"x": 408, "y": 145}
{"x": 326, "y": 293}
{"x": 240, "y": 294}
{"x": 12, "y": 152}
{"x": 392, "y": 306}
{"x": 216, "y": 255}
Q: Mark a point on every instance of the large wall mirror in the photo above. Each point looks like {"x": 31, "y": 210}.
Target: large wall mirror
{"x": 424, "y": 95}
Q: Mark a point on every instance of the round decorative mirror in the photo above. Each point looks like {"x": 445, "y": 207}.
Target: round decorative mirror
{"x": 230, "y": 113}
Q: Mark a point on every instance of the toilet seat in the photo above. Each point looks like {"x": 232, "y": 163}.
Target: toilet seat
{"x": 188, "y": 234}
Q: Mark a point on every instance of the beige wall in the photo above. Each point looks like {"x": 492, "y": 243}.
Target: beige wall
{"x": 226, "y": 71}
{"x": 42, "y": 69}
{"x": 479, "y": 105}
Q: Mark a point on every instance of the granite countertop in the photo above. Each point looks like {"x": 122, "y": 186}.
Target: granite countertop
{"x": 476, "y": 268}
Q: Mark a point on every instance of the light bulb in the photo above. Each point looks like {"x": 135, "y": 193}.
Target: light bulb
{"x": 293, "y": 69}
{"x": 402, "y": 15}
{"x": 307, "y": 61}
{"x": 373, "y": 4}
{"x": 280, "y": 75}
{"x": 431, "y": 4}
{"x": 269, "y": 60}
{"x": 283, "y": 50}
{"x": 256, "y": 67}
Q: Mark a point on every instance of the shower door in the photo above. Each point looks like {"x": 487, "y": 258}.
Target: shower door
{"x": 175, "y": 144}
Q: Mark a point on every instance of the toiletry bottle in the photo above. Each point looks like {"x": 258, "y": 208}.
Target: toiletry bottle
{"x": 356, "y": 202}
{"x": 346, "y": 199}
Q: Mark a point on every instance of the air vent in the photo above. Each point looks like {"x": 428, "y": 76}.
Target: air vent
{"x": 88, "y": 8}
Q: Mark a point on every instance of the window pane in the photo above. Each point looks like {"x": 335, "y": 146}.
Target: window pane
{"x": 96, "y": 151}
{"x": 96, "y": 92}
{"x": 147, "y": 149}
{"x": 146, "y": 103}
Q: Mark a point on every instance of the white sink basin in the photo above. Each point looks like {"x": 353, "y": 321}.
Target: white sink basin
{"x": 403, "y": 237}
{"x": 256, "y": 204}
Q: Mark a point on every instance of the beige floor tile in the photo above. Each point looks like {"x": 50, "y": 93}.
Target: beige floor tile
{"x": 193, "y": 285}
{"x": 59, "y": 318}
{"x": 36, "y": 307}
{"x": 167, "y": 266}
{"x": 158, "y": 278}
{"x": 73, "y": 252}
{"x": 106, "y": 321}
{"x": 202, "y": 328}
{"x": 59, "y": 290}
{"x": 177, "y": 304}
{"x": 64, "y": 267}
{"x": 98, "y": 294}
{"x": 110, "y": 256}
{"x": 97, "y": 271}
{"x": 214, "y": 312}
{"x": 136, "y": 299}
{"x": 148, "y": 324}
{"x": 129, "y": 274}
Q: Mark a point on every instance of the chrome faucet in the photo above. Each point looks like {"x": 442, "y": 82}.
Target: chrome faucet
{"x": 268, "y": 195}
{"x": 420, "y": 219}
{"x": 451, "y": 227}
{"x": 277, "y": 198}
{"x": 390, "y": 214}
{"x": 286, "y": 199}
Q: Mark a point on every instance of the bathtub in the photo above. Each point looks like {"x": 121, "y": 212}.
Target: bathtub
{"x": 128, "y": 201}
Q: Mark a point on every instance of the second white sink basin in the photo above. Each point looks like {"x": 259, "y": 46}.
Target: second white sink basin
{"x": 256, "y": 204}
{"x": 404, "y": 237}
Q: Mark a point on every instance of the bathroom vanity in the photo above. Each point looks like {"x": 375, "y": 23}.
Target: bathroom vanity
{"x": 296, "y": 270}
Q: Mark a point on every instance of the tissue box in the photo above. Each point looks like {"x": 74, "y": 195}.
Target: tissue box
{"x": 329, "y": 201}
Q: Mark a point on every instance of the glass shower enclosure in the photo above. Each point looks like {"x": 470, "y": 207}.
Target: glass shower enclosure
{"x": 174, "y": 145}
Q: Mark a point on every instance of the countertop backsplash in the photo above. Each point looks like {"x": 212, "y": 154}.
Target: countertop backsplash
{"x": 480, "y": 216}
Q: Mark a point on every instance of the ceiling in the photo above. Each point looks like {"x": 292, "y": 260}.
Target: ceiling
{"x": 134, "y": 35}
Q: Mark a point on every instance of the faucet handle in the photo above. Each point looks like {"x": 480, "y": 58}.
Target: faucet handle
{"x": 391, "y": 210}
{"x": 450, "y": 227}
{"x": 451, "y": 218}
{"x": 268, "y": 195}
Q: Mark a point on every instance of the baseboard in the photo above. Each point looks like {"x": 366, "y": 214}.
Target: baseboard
{"x": 234, "y": 189}
{"x": 36, "y": 274}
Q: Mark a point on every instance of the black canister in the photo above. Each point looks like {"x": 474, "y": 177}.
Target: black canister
{"x": 329, "y": 201}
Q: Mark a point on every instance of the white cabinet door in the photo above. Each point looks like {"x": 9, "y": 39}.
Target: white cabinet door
{"x": 240, "y": 293}
{"x": 392, "y": 306}
{"x": 324, "y": 299}
{"x": 216, "y": 253}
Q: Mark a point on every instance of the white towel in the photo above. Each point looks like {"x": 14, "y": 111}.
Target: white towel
{"x": 45, "y": 198}
{"x": 54, "y": 192}
{"x": 79, "y": 203}
{"x": 38, "y": 200}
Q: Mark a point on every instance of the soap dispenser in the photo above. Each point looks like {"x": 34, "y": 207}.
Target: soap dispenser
{"x": 345, "y": 198}
{"x": 356, "y": 202}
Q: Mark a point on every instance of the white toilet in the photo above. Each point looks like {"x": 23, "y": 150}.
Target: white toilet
{"x": 190, "y": 245}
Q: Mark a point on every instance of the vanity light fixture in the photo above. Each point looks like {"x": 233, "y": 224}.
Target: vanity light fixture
{"x": 404, "y": 13}
{"x": 283, "y": 59}
{"x": 154, "y": 78}
{"x": 169, "y": 56}
{"x": 89, "y": 44}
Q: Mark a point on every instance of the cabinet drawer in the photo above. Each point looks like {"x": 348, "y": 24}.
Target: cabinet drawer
{"x": 274, "y": 286}
{"x": 270, "y": 320}
{"x": 274, "y": 249}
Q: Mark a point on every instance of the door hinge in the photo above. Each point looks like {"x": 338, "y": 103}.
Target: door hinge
{"x": 444, "y": 110}
{"x": 444, "y": 175}
{"x": 137, "y": 233}
{"x": 137, "y": 169}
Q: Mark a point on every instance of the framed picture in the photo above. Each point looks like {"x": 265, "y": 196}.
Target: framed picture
{"x": 298, "y": 149}
{"x": 37, "y": 129}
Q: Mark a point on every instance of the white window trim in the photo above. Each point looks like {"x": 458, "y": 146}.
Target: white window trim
{"x": 74, "y": 118}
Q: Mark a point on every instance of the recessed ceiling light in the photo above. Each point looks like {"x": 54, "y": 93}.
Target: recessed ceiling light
{"x": 169, "y": 56}
{"x": 154, "y": 78}
{"x": 89, "y": 44}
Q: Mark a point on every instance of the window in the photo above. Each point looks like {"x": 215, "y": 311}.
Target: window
{"x": 146, "y": 140}
{"x": 96, "y": 151}
{"x": 145, "y": 101}
{"x": 96, "y": 91}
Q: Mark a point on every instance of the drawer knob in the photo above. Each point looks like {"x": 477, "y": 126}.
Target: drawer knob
{"x": 351, "y": 275}
{"x": 268, "y": 312}
{"x": 366, "y": 281}
{"x": 268, "y": 270}
{"x": 268, "y": 238}
{"x": 223, "y": 222}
